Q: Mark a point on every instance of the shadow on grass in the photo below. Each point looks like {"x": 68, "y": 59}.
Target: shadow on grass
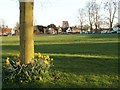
{"x": 86, "y": 65}
{"x": 76, "y": 64}
{"x": 82, "y": 48}
{"x": 10, "y": 49}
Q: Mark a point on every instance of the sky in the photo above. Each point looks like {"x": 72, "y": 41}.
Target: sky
{"x": 45, "y": 11}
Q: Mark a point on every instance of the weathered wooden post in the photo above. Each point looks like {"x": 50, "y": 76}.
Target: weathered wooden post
{"x": 26, "y": 31}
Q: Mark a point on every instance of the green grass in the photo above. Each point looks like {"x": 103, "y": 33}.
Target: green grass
{"x": 83, "y": 61}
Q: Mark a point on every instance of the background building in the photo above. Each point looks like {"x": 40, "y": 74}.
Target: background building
{"x": 65, "y": 24}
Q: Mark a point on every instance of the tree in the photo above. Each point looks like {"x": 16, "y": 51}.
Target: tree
{"x": 41, "y": 28}
{"x": 119, "y": 12}
{"x": 111, "y": 7}
{"x": 52, "y": 26}
{"x": 90, "y": 10}
{"x": 17, "y": 27}
{"x": 26, "y": 31}
{"x": 96, "y": 15}
{"x": 81, "y": 17}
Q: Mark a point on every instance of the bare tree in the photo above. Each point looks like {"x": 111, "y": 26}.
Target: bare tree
{"x": 111, "y": 7}
{"x": 93, "y": 10}
{"x": 81, "y": 17}
{"x": 119, "y": 12}
{"x": 17, "y": 26}
{"x": 96, "y": 9}
{"x": 90, "y": 11}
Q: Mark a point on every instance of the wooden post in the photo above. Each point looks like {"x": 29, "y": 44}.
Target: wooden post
{"x": 26, "y": 32}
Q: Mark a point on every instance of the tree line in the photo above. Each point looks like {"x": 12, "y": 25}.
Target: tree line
{"x": 98, "y": 16}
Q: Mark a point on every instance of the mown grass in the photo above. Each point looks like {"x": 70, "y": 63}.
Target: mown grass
{"x": 82, "y": 61}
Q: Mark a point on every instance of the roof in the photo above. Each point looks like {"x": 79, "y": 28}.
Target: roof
{"x": 8, "y": 30}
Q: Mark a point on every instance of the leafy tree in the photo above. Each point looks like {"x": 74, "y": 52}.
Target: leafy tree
{"x": 41, "y": 28}
{"x": 52, "y": 26}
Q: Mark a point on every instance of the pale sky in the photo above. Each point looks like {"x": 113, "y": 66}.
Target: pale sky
{"x": 45, "y": 11}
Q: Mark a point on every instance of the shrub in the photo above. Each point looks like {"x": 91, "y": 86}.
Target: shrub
{"x": 14, "y": 71}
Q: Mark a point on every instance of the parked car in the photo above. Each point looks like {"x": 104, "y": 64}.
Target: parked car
{"x": 118, "y": 31}
{"x": 113, "y": 31}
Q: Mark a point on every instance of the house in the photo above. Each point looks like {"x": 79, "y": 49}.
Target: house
{"x": 75, "y": 29}
{"x": 52, "y": 29}
{"x": 39, "y": 29}
{"x": 15, "y": 31}
{"x": 6, "y": 31}
{"x": 36, "y": 30}
{"x": 69, "y": 30}
{"x": 59, "y": 30}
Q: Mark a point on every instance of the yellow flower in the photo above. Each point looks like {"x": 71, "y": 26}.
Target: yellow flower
{"x": 8, "y": 58}
{"x": 7, "y": 62}
{"x": 42, "y": 57}
{"x": 51, "y": 59}
{"x": 45, "y": 62}
{"x": 47, "y": 56}
{"x": 18, "y": 63}
{"x": 39, "y": 55}
{"x": 41, "y": 78}
{"x": 48, "y": 59}
{"x": 36, "y": 54}
{"x": 18, "y": 55}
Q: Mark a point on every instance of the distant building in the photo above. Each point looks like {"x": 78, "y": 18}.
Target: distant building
{"x": 39, "y": 29}
{"x": 36, "y": 30}
{"x": 6, "y": 31}
{"x": 59, "y": 30}
{"x": 16, "y": 31}
{"x": 65, "y": 24}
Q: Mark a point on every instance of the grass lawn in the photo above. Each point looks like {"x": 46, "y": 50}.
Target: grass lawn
{"x": 82, "y": 61}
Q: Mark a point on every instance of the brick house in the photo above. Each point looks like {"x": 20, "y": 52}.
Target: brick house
{"x": 6, "y": 31}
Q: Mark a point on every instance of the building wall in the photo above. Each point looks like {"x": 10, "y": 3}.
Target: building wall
{"x": 65, "y": 24}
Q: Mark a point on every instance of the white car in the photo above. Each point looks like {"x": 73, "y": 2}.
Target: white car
{"x": 118, "y": 31}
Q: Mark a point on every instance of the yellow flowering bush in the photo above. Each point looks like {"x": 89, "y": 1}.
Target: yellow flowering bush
{"x": 38, "y": 70}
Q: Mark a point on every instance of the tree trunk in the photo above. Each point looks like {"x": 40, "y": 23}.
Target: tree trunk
{"x": 26, "y": 32}
{"x": 110, "y": 26}
{"x": 81, "y": 25}
{"x": 91, "y": 29}
{"x": 96, "y": 28}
